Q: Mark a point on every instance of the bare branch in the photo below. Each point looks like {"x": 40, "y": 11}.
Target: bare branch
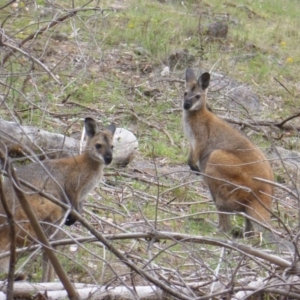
{"x": 16, "y": 49}
{"x": 12, "y": 233}
{"x": 159, "y": 128}
{"x": 7, "y": 4}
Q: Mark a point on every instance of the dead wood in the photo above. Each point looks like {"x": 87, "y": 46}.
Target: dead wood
{"x": 255, "y": 124}
{"x": 12, "y": 234}
{"x": 30, "y": 141}
{"x": 151, "y": 125}
{"x": 55, "y": 290}
{"x": 278, "y": 124}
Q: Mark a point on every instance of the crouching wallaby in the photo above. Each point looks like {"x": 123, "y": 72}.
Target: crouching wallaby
{"x": 228, "y": 160}
{"x": 67, "y": 179}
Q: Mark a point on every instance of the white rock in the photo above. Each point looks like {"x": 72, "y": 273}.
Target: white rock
{"x": 165, "y": 72}
{"x": 125, "y": 146}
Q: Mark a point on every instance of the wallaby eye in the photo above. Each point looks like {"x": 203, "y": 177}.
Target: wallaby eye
{"x": 98, "y": 146}
{"x": 197, "y": 97}
{"x": 185, "y": 94}
{"x": 112, "y": 147}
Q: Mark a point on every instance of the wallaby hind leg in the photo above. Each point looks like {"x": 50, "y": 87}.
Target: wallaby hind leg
{"x": 4, "y": 262}
{"x": 224, "y": 222}
{"x": 259, "y": 213}
{"x": 4, "y": 266}
{"x": 248, "y": 225}
{"x": 48, "y": 272}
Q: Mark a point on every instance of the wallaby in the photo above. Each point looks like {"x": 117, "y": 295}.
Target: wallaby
{"x": 227, "y": 158}
{"x": 68, "y": 179}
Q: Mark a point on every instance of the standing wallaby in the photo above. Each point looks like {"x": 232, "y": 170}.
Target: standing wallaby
{"x": 227, "y": 158}
{"x": 68, "y": 179}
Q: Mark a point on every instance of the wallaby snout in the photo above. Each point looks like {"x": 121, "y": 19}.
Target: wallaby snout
{"x": 108, "y": 157}
{"x": 187, "y": 104}
{"x": 109, "y": 150}
{"x": 228, "y": 159}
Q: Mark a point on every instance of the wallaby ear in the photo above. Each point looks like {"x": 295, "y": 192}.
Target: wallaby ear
{"x": 112, "y": 128}
{"x": 204, "y": 80}
{"x": 190, "y": 75}
{"x": 91, "y": 127}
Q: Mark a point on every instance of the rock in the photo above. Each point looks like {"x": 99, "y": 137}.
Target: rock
{"x": 217, "y": 30}
{"x": 180, "y": 59}
{"x": 60, "y": 36}
{"x": 232, "y": 94}
{"x": 125, "y": 147}
{"x": 165, "y": 71}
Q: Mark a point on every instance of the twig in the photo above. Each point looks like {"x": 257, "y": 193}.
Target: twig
{"x": 82, "y": 106}
{"x": 183, "y": 238}
{"x": 153, "y": 126}
{"x": 218, "y": 269}
{"x": 280, "y": 124}
{"x": 7, "y": 4}
{"x": 136, "y": 178}
{"x": 278, "y": 185}
{"x": 12, "y": 235}
{"x": 254, "y": 123}
{"x": 283, "y": 86}
{"x": 73, "y": 295}
{"x": 104, "y": 221}
{"x": 38, "y": 32}
{"x": 16, "y": 49}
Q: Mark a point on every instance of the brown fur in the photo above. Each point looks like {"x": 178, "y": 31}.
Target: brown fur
{"x": 68, "y": 179}
{"x": 228, "y": 159}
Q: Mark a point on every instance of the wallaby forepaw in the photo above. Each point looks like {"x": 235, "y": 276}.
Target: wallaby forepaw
{"x": 20, "y": 276}
{"x": 70, "y": 220}
{"x": 237, "y": 232}
{"x": 195, "y": 169}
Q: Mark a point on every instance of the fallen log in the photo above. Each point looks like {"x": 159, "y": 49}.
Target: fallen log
{"x": 30, "y": 140}
{"x": 55, "y": 290}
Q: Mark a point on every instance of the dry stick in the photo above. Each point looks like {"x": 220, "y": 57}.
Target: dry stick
{"x": 216, "y": 273}
{"x": 35, "y": 106}
{"x": 244, "y": 249}
{"x": 135, "y": 177}
{"x": 7, "y": 4}
{"x": 72, "y": 294}
{"x": 153, "y": 126}
{"x": 283, "y": 86}
{"x": 12, "y": 234}
{"x": 47, "y": 247}
{"x": 158, "y": 191}
{"x": 45, "y": 28}
{"x": 280, "y": 124}
{"x": 124, "y": 259}
{"x": 247, "y": 288}
{"x": 252, "y": 124}
{"x": 38, "y": 32}
{"x": 164, "y": 235}
{"x": 279, "y": 186}
{"x": 16, "y": 49}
